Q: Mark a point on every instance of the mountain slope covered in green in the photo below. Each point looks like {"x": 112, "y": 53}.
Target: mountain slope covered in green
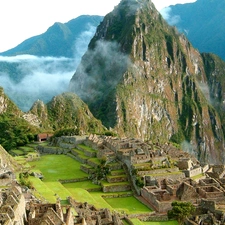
{"x": 58, "y": 40}
{"x": 65, "y": 114}
{"x": 145, "y": 80}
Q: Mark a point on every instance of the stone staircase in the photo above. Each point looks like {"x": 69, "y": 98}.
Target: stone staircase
{"x": 116, "y": 181}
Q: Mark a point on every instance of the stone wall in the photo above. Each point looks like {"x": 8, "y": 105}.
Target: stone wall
{"x": 210, "y": 192}
{"x": 160, "y": 206}
{"x": 207, "y": 204}
{"x": 176, "y": 176}
{"x": 120, "y": 195}
{"x": 158, "y": 171}
{"x": 13, "y": 209}
{"x": 52, "y": 150}
{"x": 86, "y": 169}
{"x": 115, "y": 179}
{"x": 73, "y": 180}
{"x": 193, "y": 172}
{"x": 116, "y": 188}
{"x": 140, "y": 159}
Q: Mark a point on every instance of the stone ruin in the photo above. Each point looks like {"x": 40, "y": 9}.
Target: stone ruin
{"x": 88, "y": 214}
{"x": 47, "y": 213}
{"x": 158, "y": 191}
{"x": 12, "y": 206}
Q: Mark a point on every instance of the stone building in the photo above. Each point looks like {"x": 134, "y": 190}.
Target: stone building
{"x": 88, "y": 214}
{"x": 12, "y": 206}
{"x": 53, "y": 214}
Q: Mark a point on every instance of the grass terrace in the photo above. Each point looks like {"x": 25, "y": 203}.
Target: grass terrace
{"x": 63, "y": 167}
{"x": 55, "y": 167}
{"x": 161, "y": 223}
{"x": 130, "y": 205}
{"x": 87, "y": 185}
{"x": 86, "y": 148}
{"x": 138, "y": 222}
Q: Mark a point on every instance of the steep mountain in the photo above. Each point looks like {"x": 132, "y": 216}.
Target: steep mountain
{"x": 202, "y": 22}
{"x": 58, "y": 40}
{"x": 63, "y": 112}
{"x": 145, "y": 80}
{"x": 66, "y": 111}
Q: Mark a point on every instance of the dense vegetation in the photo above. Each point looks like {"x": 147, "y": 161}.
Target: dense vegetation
{"x": 181, "y": 211}
{"x": 15, "y": 132}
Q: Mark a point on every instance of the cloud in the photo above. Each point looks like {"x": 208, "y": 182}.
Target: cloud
{"x": 188, "y": 147}
{"x": 81, "y": 43}
{"x": 100, "y": 71}
{"x": 35, "y": 78}
{"x": 171, "y": 20}
{"x": 27, "y": 78}
{"x": 205, "y": 91}
{"x": 33, "y": 58}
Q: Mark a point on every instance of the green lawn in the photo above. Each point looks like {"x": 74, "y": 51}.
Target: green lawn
{"x": 87, "y": 148}
{"x": 81, "y": 154}
{"x": 161, "y": 223}
{"x": 84, "y": 184}
{"x": 42, "y": 191}
{"x": 81, "y": 195}
{"x": 26, "y": 149}
{"x": 55, "y": 167}
{"x": 138, "y": 222}
{"x": 128, "y": 204}
{"x": 100, "y": 201}
{"x": 17, "y": 152}
{"x": 58, "y": 189}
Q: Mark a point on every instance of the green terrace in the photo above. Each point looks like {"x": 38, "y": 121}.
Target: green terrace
{"x": 63, "y": 176}
{"x": 22, "y": 150}
{"x": 117, "y": 172}
{"x": 86, "y": 148}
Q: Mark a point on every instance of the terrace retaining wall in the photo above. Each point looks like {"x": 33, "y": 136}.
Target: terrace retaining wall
{"x": 73, "y": 180}
{"x": 116, "y": 188}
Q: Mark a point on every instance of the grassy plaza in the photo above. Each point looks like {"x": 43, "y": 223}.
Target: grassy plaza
{"x": 62, "y": 167}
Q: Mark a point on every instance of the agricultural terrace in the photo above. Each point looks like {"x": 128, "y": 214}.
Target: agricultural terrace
{"x": 58, "y": 168}
{"x": 62, "y": 167}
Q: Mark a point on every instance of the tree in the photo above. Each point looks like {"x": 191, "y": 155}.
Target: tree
{"x": 180, "y": 211}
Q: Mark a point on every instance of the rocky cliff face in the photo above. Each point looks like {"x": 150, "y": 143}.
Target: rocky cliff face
{"x": 7, "y": 106}
{"x": 145, "y": 80}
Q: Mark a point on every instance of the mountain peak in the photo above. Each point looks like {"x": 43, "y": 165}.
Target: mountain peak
{"x": 142, "y": 78}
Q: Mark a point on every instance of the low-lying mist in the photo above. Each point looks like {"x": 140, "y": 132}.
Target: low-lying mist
{"x": 27, "y": 78}
{"x": 35, "y": 78}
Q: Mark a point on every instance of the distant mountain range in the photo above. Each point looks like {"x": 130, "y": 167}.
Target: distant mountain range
{"x": 59, "y": 40}
{"x": 202, "y": 22}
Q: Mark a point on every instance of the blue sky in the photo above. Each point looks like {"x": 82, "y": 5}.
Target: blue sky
{"x": 21, "y": 19}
